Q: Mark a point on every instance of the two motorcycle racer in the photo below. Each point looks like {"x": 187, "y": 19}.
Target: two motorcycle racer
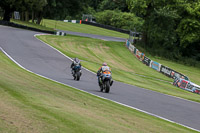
{"x": 104, "y": 69}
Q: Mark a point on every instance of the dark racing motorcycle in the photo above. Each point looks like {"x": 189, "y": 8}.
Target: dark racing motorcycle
{"x": 105, "y": 82}
{"x": 77, "y": 72}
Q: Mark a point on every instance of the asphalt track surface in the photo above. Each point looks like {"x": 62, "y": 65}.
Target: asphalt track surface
{"x": 105, "y": 38}
{"x": 42, "y": 59}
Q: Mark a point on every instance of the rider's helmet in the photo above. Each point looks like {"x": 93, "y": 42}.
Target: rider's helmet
{"x": 76, "y": 61}
{"x": 104, "y": 64}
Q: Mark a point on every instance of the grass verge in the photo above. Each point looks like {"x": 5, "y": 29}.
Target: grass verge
{"x": 51, "y": 25}
{"x": 33, "y": 25}
{"x": 29, "y": 103}
{"x": 125, "y": 67}
{"x": 83, "y": 28}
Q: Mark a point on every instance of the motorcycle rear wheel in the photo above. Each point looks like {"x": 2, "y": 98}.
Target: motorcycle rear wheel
{"x": 78, "y": 76}
{"x": 107, "y": 89}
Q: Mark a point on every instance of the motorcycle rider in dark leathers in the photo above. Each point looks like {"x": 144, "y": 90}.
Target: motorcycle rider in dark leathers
{"x": 75, "y": 62}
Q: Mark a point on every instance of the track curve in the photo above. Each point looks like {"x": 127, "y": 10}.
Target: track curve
{"x": 39, "y": 58}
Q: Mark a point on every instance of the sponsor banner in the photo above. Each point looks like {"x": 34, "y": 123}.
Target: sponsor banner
{"x": 138, "y": 54}
{"x": 73, "y": 21}
{"x": 193, "y": 87}
{"x": 131, "y": 48}
{"x": 135, "y": 51}
{"x": 196, "y": 89}
{"x": 187, "y": 85}
{"x": 165, "y": 70}
{"x": 146, "y": 61}
{"x": 183, "y": 83}
{"x": 180, "y": 80}
{"x": 175, "y": 74}
{"x": 16, "y": 15}
{"x": 171, "y": 73}
{"x": 67, "y": 21}
{"x": 155, "y": 65}
{"x": 190, "y": 87}
{"x": 142, "y": 57}
{"x": 127, "y": 43}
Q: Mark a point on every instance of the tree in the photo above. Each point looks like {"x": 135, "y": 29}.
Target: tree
{"x": 60, "y": 9}
{"x": 9, "y": 6}
{"x": 189, "y": 28}
{"x": 119, "y": 19}
{"x": 24, "y": 6}
{"x": 170, "y": 25}
{"x": 113, "y": 5}
{"x": 37, "y": 9}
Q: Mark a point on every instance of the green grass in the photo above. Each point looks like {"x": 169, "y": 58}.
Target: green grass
{"x": 83, "y": 28}
{"x": 51, "y": 25}
{"x": 32, "y": 104}
{"x": 30, "y": 24}
{"x": 125, "y": 66}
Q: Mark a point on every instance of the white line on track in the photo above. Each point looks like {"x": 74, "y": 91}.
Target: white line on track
{"x": 91, "y": 93}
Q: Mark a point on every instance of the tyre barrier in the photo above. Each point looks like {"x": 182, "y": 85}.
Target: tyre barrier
{"x": 180, "y": 80}
{"x": 59, "y": 33}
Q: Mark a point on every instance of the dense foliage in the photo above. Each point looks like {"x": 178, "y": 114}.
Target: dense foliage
{"x": 119, "y": 19}
{"x": 171, "y": 28}
{"x": 34, "y": 7}
{"x": 54, "y": 9}
{"x": 113, "y": 5}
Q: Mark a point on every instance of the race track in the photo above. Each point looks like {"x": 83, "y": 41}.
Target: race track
{"x": 106, "y": 38}
{"x": 39, "y": 58}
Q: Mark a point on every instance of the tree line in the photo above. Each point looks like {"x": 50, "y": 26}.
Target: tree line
{"x": 170, "y": 28}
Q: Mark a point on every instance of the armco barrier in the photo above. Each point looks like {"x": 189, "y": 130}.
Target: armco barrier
{"x": 180, "y": 80}
{"x": 106, "y": 27}
{"x": 6, "y": 23}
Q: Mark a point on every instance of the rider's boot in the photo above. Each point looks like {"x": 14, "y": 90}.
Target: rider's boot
{"x": 99, "y": 81}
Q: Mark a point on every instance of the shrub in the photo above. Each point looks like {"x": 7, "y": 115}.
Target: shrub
{"x": 119, "y": 19}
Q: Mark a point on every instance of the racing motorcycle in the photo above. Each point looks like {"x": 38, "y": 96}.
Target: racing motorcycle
{"x": 105, "y": 82}
{"x": 77, "y": 72}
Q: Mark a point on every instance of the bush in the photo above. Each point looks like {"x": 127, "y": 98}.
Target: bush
{"x": 119, "y": 19}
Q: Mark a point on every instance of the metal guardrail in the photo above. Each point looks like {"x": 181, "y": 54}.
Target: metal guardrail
{"x": 24, "y": 27}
